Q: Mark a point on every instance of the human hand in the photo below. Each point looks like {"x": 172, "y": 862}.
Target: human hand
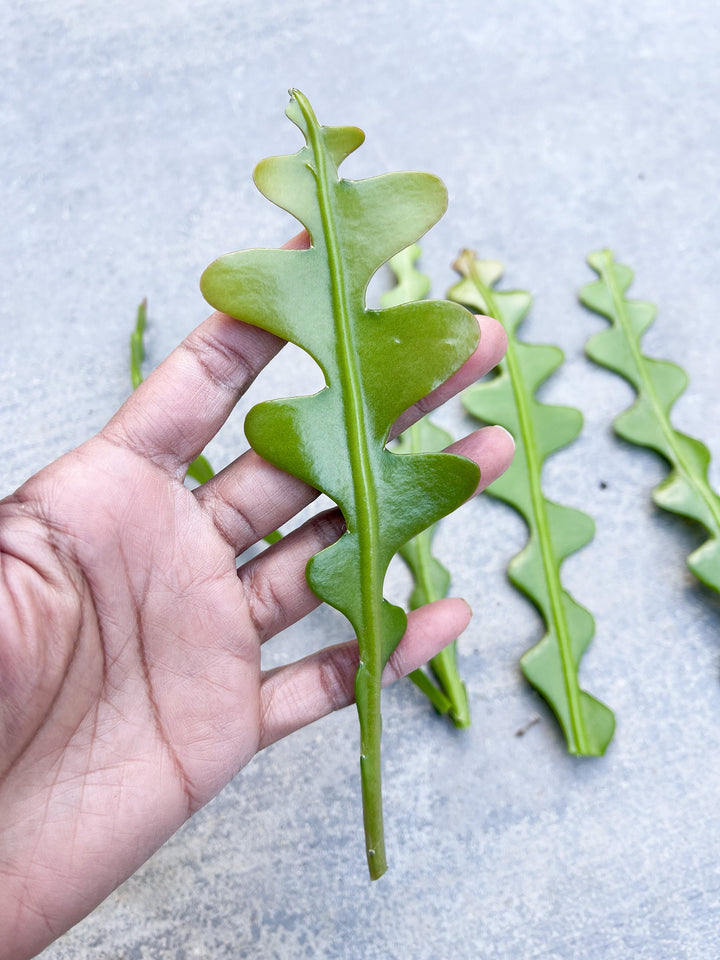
{"x": 131, "y": 689}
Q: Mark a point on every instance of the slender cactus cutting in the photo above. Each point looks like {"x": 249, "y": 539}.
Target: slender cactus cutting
{"x": 646, "y": 423}
{"x": 556, "y": 531}
{"x": 431, "y": 578}
{"x": 137, "y": 345}
{"x": 376, "y": 363}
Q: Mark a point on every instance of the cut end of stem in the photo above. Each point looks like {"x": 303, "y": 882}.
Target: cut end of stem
{"x": 377, "y": 863}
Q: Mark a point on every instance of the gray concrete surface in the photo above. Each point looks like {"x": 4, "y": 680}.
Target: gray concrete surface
{"x": 129, "y": 133}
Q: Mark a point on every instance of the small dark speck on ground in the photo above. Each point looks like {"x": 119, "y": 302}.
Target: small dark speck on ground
{"x": 524, "y": 729}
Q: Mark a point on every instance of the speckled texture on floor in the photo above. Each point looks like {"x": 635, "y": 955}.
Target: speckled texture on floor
{"x": 129, "y": 134}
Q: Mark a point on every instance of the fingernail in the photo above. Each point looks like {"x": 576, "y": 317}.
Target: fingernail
{"x": 506, "y": 432}
{"x": 470, "y": 609}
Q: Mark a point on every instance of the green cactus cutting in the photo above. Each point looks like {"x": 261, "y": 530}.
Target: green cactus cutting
{"x": 376, "y": 363}
{"x": 556, "y": 531}
{"x": 646, "y": 423}
{"x": 431, "y": 578}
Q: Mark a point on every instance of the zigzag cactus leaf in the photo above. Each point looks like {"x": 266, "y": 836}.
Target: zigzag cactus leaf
{"x": 431, "y": 578}
{"x": 556, "y": 531}
{"x": 376, "y": 363}
{"x": 658, "y": 384}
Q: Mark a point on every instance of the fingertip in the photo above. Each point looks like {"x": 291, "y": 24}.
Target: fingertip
{"x": 493, "y": 340}
{"x": 504, "y": 437}
{"x": 459, "y": 609}
{"x": 429, "y": 629}
{"x": 301, "y": 241}
{"x": 492, "y": 448}
{"x": 501, "y": 443}
{"x": 469, "y": 609}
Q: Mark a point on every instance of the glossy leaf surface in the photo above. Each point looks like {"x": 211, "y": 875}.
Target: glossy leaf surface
{"x": 556, "y": 531}
{"x": 376, "y": 363}
{"x": 646, "y": 423}
{"x": 431, "y": 578}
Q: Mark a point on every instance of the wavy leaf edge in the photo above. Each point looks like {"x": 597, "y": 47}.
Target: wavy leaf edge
{"x": 647, "y": 422}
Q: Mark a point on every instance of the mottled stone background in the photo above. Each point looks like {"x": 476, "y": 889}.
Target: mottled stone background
{"x": 128, "y": 136}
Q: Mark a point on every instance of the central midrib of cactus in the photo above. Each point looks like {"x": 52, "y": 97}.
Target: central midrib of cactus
{"x": 543, "y": 527}
{"x": 371, "y": 579}
{"x": 648, "y": 386}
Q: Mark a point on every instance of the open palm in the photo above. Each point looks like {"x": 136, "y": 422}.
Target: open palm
{"x": 131, "y": 689}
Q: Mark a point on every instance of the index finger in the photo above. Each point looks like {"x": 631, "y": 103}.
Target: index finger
{"x": 173, "y": 414}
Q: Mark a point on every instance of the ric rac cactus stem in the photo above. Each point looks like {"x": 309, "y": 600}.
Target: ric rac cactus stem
{"x": 432, "y": 579}
{"x": 555, "y": 531}
{"x": 658, "y": 384}
{"x": 376, "y": 364}
{"x": 432, "y": 582}
{"x": 137, "y": 345}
